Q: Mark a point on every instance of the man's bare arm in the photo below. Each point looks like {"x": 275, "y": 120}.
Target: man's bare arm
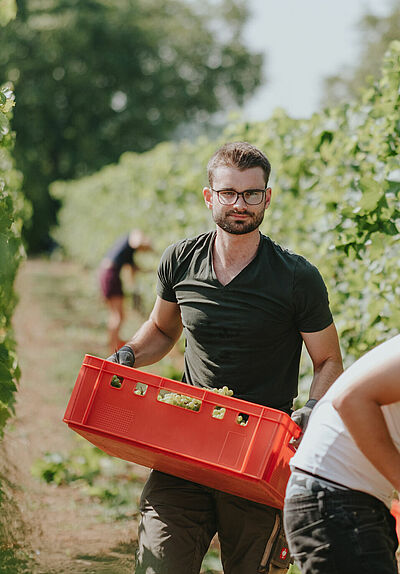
{"x": 374, "y": 381}
{"x": 158, "y": 334}
{"x": 324, "y": 350}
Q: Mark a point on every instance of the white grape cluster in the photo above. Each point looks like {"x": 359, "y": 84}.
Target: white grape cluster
{"x": 140, "y": 389}
{"x": 185, "y": 401}
{"x": 219, "y": 412}
{"x": 241, "y": 421}
{"x": 223, "y": 391}
{"x": 194, "y": 404}
{"x": 191, "y": 403}
{"x": 180, "y": 401}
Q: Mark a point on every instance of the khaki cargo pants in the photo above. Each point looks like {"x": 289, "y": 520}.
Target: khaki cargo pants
{"x": 180, "y": 518}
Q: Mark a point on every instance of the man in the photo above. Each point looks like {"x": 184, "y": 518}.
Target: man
{"x": 121, "y": 253}
{"x": 337, "y": 517}
{"x": 246, "y": 305}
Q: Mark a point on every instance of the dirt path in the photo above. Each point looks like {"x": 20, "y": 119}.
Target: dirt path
{"x": 68, "y": 531}
{"x": 88, "y": 525}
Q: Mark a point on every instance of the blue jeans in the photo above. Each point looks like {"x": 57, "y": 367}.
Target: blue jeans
{"x": 335, "y": 531}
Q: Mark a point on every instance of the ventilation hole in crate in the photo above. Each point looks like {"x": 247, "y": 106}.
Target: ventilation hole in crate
{"x": 140, "y": 389}
{"x": 179, "y": 400}
{"x": 219, "y": 412}
{"x": 242, "y": 419}
{"x": 116, "y": 382}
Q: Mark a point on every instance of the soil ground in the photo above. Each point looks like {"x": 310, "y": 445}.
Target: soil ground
{"x": 62, "y": 528}
{"x": 68, "y": 532}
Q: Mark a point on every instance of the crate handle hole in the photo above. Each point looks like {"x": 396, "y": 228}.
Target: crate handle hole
{"x": 116, "y": 382}
{"x": 219, "y": 412}
{"x": 242, "y": 419}
{"x": 179, "y": 400}
{"x": 140, "y": 389}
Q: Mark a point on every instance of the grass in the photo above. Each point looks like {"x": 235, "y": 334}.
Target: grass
{"x": 15, "y": 555}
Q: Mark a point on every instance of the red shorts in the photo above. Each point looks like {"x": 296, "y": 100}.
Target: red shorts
{"x": 110, "y": 282}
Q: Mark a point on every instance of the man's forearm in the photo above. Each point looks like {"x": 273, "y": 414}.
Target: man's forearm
{"x": 324, "y": 350}
{"x": 367, "y": 425}
{"x": 150, "y": 344}
{"x": 324, "y": 376}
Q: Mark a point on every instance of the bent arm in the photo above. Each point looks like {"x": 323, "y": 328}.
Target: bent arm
{"x": 324, "y": 350}
{"x": 158, "y": 334}
{"x": 359, "y": 406}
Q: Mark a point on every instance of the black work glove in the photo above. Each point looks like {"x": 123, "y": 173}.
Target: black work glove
{"x": 300, "y": 417}
{"x": 124, "y": 356}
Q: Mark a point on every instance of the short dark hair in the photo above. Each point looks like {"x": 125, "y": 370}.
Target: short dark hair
{"x": 241, "y": 155}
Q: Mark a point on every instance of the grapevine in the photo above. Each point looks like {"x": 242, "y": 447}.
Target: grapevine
{"x": 13, "y": 209}
{"x": 335, "y": 177}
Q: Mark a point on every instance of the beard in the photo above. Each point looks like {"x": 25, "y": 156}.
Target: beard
{"x": 238, "y": 227}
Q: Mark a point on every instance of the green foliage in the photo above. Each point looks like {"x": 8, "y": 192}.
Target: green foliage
{"x": 154, "y": 190}
{"x": 375, "y": 33}
{"x": 110, "y": 481}
{"x": 212, "y": 562}
{"x": 170, "y": 371}
{"x": 335, "y": 184}
{"x": 58, "y": 469}
{"x": 16, "y": 553}
{"x": 11, "y": 253}
{"x": 338, "y": 203}
{"x": 94, "y": 79}
{"x": 8, "y": 10}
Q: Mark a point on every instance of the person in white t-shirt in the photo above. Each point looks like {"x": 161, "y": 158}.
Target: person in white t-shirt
{"x": 346, "y": 471}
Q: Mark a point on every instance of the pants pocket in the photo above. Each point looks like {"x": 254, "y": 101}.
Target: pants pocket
{"x": 281, "y": 557}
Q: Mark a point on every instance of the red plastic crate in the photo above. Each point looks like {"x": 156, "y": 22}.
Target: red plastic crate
{"x": 249, "y": 461}
{"x": 395, "y": 509}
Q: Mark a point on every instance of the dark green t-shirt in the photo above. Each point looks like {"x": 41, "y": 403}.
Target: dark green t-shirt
{"x": 246, "y": 334}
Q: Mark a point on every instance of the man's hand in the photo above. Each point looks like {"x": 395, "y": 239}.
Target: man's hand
{"x": 300, "y": 417}
{"x": 124, "y": 356}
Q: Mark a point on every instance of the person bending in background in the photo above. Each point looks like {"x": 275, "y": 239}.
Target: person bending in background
{"x": 246, "y": 306}
{"x": 121, "y": 253}
{"x": 337, "y": 517}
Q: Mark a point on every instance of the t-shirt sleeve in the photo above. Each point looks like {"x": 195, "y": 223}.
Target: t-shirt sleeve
{"x": 310, "y": 298}
{"x": 165, "y": 281}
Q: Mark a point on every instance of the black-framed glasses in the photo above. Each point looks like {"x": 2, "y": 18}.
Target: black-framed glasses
{"x": 230, "y": 196}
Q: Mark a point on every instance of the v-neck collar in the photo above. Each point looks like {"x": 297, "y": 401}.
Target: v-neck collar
{"x": 211, "y": 262}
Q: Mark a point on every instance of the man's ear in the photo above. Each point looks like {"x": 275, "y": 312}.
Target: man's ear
{"x": 208, "y": 197}
{"x": 268, "y": 193}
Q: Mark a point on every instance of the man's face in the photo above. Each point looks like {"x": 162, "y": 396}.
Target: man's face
{"x": 239, "y": 218}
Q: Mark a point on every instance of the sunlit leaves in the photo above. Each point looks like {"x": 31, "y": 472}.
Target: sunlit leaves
{"x": 8, "y": 10}
{"x": 335, "y": 199}
{"x": 11, "y": 253}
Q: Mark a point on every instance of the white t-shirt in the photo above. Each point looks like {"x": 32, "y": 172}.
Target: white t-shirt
{"x": 327, "y": 448}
